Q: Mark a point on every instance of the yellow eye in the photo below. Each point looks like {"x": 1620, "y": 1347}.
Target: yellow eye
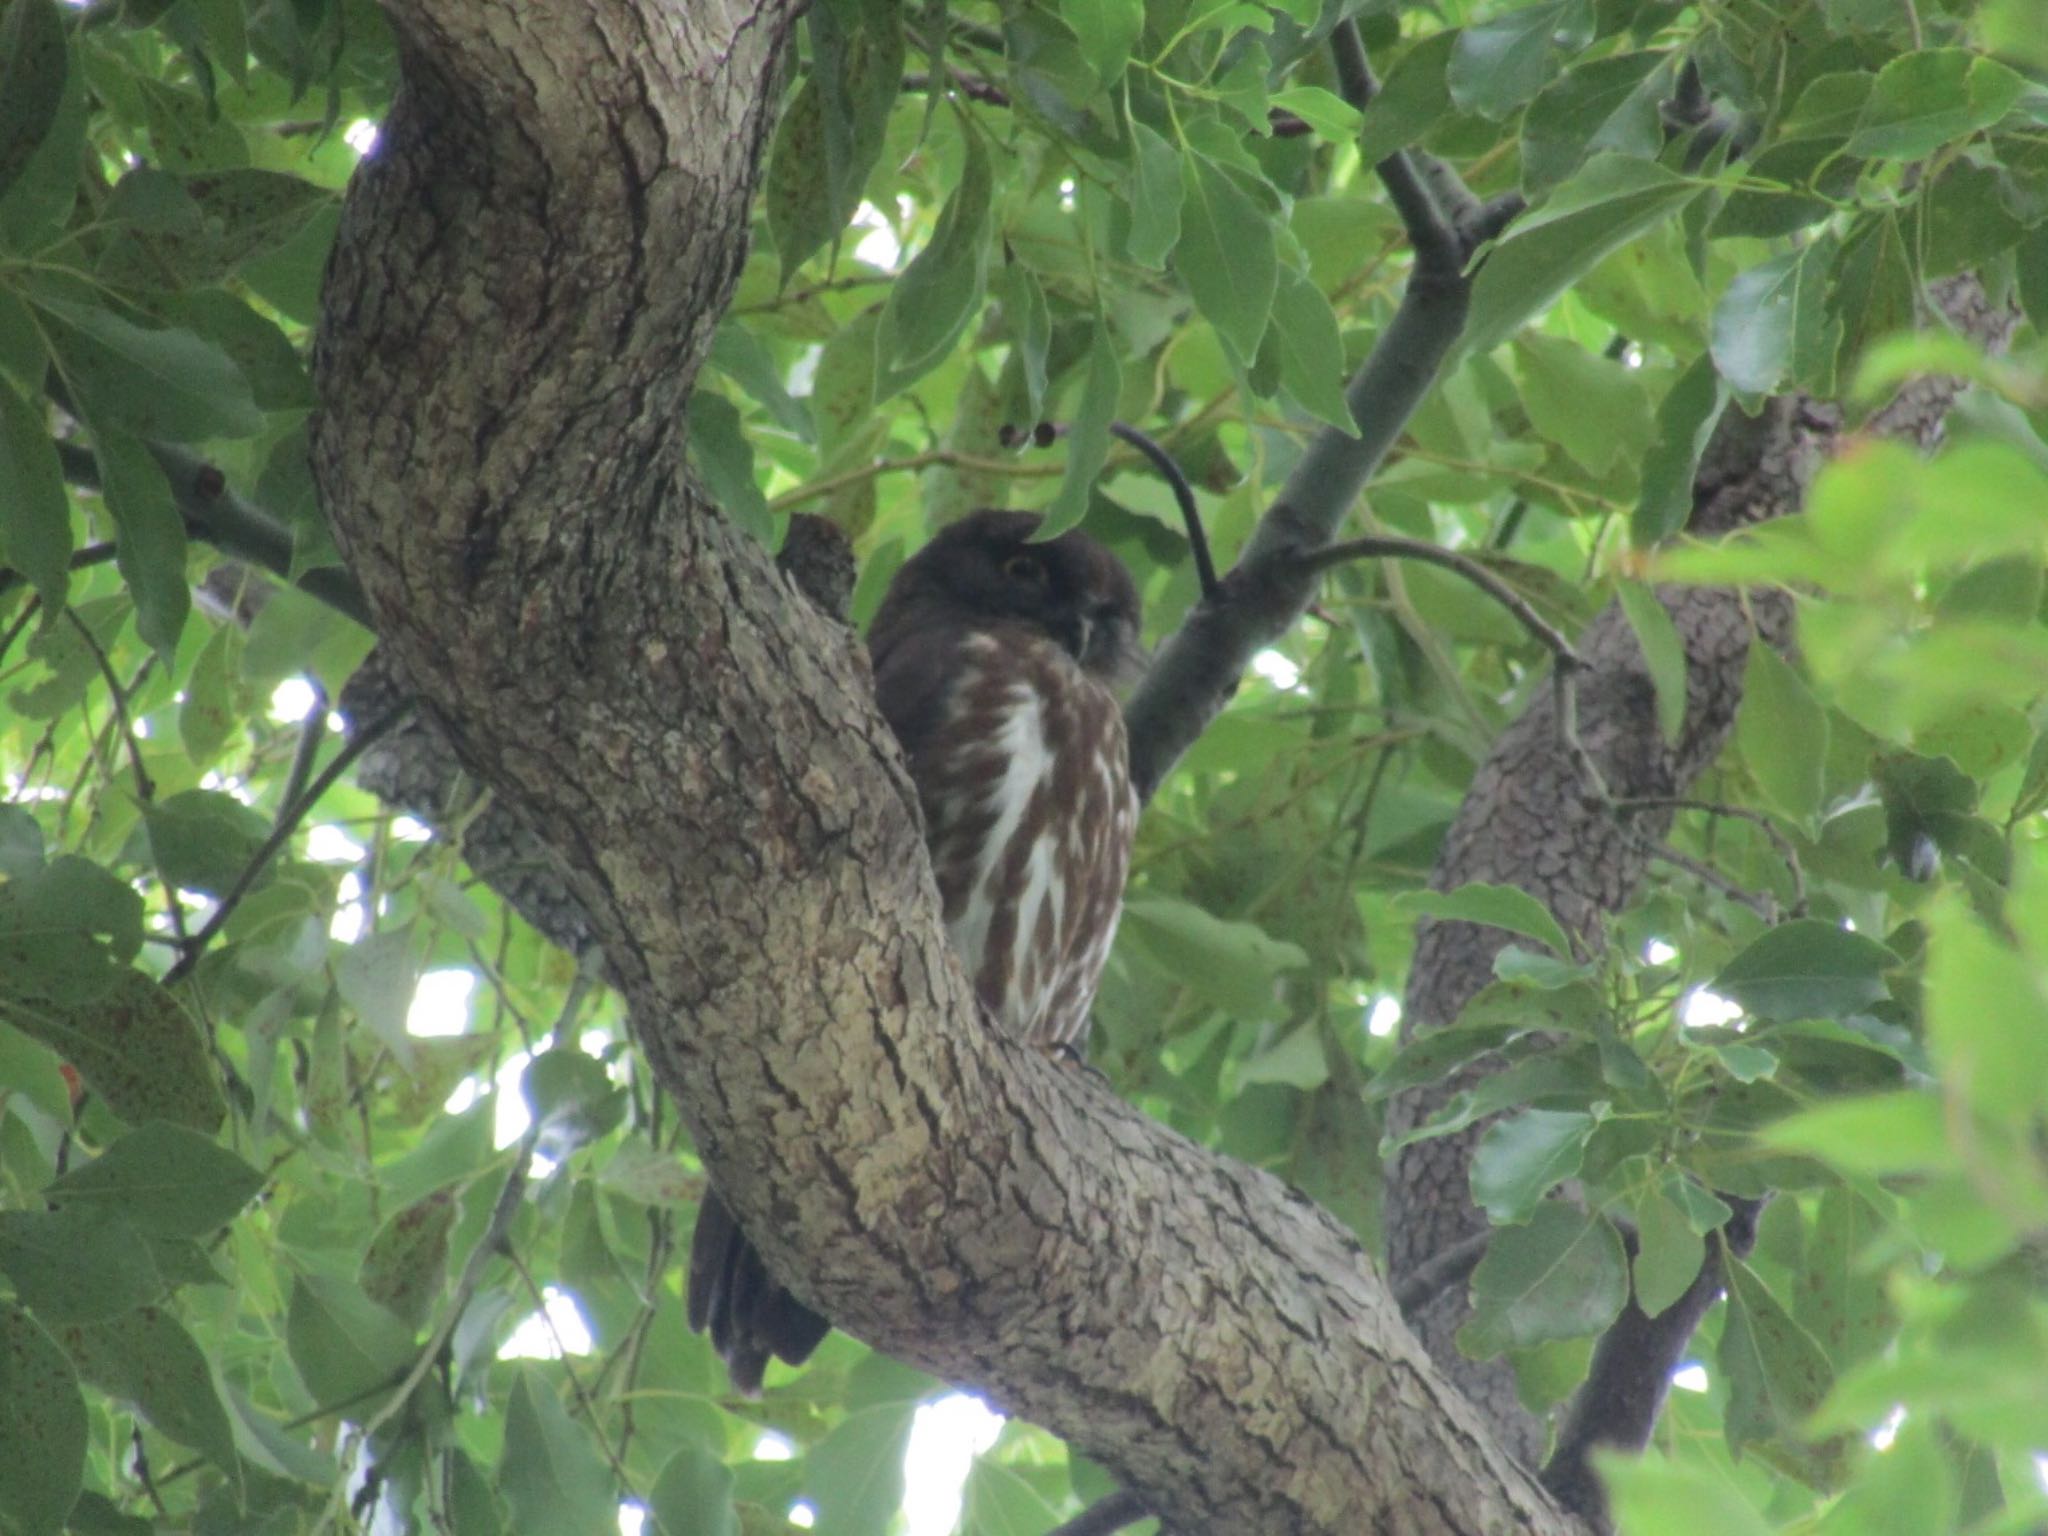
{"x": 1024, "y": 568}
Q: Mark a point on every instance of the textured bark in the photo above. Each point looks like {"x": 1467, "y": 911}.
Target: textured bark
{"x": 1528, "y": 821}
{"x": 526, "y": 276}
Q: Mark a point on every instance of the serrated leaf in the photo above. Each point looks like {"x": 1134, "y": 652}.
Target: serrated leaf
{"x": 203, "y": 839}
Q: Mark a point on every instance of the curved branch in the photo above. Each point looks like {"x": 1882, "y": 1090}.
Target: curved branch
{"x": 632, "y": 674}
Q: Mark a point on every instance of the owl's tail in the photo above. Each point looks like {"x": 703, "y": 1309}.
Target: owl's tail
{"x": 749, "y": 1314}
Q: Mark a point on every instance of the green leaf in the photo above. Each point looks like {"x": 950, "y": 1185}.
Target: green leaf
{"x": 1603, "y": 104}
{"x": 348, "y": 1350}
{"x": 725, "y": 458}
{"x": 1563, "y": 1276}
{"x": 136, "y": 1046}
{"x": 1925, "y": 100}
{"x": 1661, "y": 1496}
{"x": 1663, "y": 652}
{"x": 206, "y": 715}
{"x": 692, "y": 1497}
{"x": 405, "y": 1268}
{"x": 1686, "y": 418}
{"x": 34, "y": 64}
{"x": 43, "y": 186}
{"x": 1297, "y": 1061}
{"x": 1772, "y": 323}
{"x": 1987, "y": 1019}
{"x": 999, "y": 1502}
{"x": 1668, "y": 1252}
{"x": 1777, "y": 1375}
{"x": 1612, "y": 200}
{"x": 1783, "y": 734}
{"x": 42, "y": 1415}
{"x": 149, "y": 537}
{"x": 1412, "y": 100}
{"x": 167, "y": 383}
{"x": 1592, "y": 407}
{"x": 1842, "y": 1295}
{"x": 1498, "y": 906}
{"x": 67, "y": 930}
{"x": 1806, "y": 969}
{"x": 203, "y": 839}
{"x": 1234, "y": 965}
{"x": 1329, "y": 114}
{"x": 148, "y": 1359}
{"x": 77, "y": 1264}
{"x": 1501, "y": 63}
{"x": 1106, "y": 30}
{"x": 35, "y": 512}
{"x": 1879, "y": 1134}
{"x": 1521, "y": 1159}
{"x": 1155, "y": 195}
{"x": 377, "y": 977}
{"x": 1088, "y": 441}
{"x": 933, "y": 299}
{"x": 854, "y": 1476}
{"x": 571, "y": 1099}
{"x": 833, "y": 131}
{"x": 1304, "y": 328}
{"x": 1226, "y": 253}
{"x": 168, "y": 1180}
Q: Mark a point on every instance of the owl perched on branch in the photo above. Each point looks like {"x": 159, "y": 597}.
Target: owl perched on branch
{"x": 994, "y": 659}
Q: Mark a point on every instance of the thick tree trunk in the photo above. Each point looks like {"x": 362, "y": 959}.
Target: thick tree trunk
{"x": 528, "y": 271}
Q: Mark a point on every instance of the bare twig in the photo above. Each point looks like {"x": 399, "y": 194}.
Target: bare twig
{"x": 1183, "y": 495}
{"x": 1777, "y": 839}
{"x": 287, "y": 823}
{"x": 1394, "y": 547}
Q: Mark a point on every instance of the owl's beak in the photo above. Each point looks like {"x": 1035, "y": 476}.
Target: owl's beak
{"x": 1111, "y": 650}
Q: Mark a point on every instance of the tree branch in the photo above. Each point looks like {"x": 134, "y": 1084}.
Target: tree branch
{"x": 630, "y": 672}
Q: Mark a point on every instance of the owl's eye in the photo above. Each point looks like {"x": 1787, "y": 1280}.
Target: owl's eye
{"x": 1025, "y": 569}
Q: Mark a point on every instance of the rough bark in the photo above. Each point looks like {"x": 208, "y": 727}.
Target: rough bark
{"x": 527, "y": 273}
{"x": 1529, "y": 821}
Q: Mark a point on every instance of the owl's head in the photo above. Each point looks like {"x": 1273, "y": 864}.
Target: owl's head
{"x": 986, "y": 568}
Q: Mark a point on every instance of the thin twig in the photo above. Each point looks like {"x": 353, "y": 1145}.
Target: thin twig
{"x": 1762, "y": 905}
{"x": 1777, "y": 839}
{"x": 81, "y": 559}
{"x": 312, "y": 730}
{"x": 1390, "y": 546}
{"x": 287, "y": 823}
{"x": 1183, "y": 495}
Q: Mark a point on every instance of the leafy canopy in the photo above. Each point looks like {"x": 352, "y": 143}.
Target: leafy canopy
{"x": 262, "y": 1179}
